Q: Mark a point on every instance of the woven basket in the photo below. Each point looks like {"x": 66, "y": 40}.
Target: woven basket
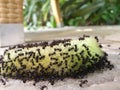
{"x": 11, "y": 11}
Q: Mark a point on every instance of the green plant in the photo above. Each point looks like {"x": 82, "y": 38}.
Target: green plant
{"x": 91, "y": 12}
{"x": 109, "y": 14}
{"x": 80, "y": 11}
{"x": 36, "y": 13}
{"x": 74, "y": 12}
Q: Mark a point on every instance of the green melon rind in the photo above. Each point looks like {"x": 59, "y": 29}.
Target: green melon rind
{"x": 15, "y": 65}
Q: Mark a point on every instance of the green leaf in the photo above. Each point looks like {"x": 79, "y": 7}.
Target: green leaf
{"x": 89, "y": 9}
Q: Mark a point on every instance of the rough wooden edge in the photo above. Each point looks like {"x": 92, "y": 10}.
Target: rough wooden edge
{"x": 54, "y": 33}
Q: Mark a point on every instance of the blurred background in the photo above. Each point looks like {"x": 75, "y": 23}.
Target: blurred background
{"x": 38, "y": 13}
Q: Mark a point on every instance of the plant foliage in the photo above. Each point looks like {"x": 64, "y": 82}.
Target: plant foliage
{"x": 74, "y": 12}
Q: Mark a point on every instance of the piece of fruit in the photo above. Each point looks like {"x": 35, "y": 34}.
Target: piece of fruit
{"x": 59, "y": 58}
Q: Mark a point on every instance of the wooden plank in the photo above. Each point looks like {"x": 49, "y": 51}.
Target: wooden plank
{"x": 57, "y": 33}
{"x": 56, "y": 12}
{"x": 99, "y": 80}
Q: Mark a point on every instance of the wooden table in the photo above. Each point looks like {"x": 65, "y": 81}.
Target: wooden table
{"x": 106, "y": 80}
